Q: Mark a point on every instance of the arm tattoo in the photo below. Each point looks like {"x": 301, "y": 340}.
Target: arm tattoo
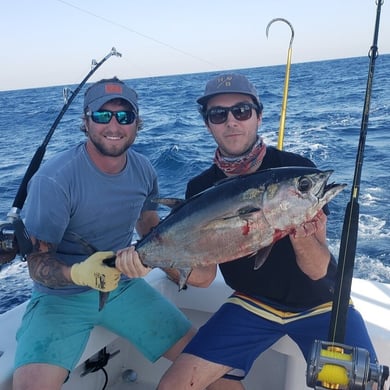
{"x": 45, "y": 268}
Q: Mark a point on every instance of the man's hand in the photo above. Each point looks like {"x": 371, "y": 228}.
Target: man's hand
{"x": 317, "y": 224}
{"x": 310, "y": 247}
{"x": 129, "y": 263}
{"x": 94, "y": 273}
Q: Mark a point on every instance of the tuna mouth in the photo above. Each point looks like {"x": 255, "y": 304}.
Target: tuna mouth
{"x": 328, "y": 190}
{"x": 329, "y": 187}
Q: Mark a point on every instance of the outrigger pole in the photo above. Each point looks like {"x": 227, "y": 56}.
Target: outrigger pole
{"x": 286, "y": 81}
{"x": 14, "y": 229}
{"x": 333, "y": 365}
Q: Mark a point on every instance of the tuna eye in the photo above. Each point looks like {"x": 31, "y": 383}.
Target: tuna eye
{"x": 304, "y": 184}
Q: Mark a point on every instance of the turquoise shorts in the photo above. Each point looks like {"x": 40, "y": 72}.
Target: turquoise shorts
{"x": 55, "y": 328}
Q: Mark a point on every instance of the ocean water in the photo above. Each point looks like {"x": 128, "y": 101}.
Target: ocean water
{"x": 323, "y": 122}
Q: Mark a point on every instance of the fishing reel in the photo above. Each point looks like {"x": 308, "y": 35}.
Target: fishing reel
{"x": 8, "y": 244}
{"x": 14, "y": 238}
{"x": 338, "y": 366}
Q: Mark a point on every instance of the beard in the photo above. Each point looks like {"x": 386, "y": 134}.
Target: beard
{"x": 110, "y": 150}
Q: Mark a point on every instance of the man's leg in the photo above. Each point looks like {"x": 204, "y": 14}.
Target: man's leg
{"x": 193, "y": 373}
{"x": 39, "y": 377}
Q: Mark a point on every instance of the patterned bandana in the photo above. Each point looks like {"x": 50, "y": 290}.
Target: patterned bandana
{"x": 242, "y": 164}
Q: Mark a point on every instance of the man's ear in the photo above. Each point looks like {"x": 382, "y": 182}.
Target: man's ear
{"x": 259, "y": 118}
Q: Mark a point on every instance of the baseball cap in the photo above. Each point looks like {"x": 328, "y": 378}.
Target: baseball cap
{"x": 105, "y": 90}
{"x": 229, "y": 83}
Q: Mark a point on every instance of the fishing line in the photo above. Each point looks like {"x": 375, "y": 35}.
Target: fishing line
{"x": 286, "y": 81}
{"x": 137, "y": 32}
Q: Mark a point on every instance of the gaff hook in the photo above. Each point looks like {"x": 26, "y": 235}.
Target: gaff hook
{"x": 281, "y": 20}
{"x": 286, "y": 80}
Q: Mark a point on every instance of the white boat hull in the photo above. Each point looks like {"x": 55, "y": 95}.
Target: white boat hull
{"x": 281, "y": 367}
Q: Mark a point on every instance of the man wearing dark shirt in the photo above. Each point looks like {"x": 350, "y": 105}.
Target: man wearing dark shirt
{"x": 290, "y": 294}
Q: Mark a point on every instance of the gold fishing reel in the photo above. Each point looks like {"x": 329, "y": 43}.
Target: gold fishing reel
{"x": 338, "y": 366}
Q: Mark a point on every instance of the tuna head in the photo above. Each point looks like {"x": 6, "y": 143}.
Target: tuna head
{"x": 289, "y": 203}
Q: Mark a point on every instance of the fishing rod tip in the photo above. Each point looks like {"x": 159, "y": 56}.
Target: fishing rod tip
{"x": 114, "y": 52}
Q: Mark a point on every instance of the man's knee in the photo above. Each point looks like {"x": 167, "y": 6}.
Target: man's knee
{"x": 39, "y": 376}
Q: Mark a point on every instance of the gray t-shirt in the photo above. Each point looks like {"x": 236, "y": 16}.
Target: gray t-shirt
{"x": 72, "y": 204}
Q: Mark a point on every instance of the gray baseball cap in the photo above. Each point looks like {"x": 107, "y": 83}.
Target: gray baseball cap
{"x": 105, "y": 90}
{"x": 229, "y": 83}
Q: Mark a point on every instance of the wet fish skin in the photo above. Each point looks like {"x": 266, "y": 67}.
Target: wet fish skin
{"x": 237, "y": 217}
{"x": 240, "y": 216}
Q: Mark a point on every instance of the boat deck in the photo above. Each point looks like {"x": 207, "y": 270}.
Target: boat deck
{"x": 281, "y": 367}
{"x": 271, "y": 369}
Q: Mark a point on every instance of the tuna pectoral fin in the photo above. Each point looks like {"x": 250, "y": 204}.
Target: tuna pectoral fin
{"x": 228, "y": 221}
{"x": 261, "y": 256}
{"x": 248, "y": 211}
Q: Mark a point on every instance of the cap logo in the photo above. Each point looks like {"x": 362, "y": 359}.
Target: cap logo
{"x": 224, "y": 81}
{"x": 113, "y": 88}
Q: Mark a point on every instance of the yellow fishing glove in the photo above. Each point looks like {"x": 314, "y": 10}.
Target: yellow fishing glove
{"x": 94, "y": 273}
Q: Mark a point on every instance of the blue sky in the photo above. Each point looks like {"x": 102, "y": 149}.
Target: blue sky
{"x": 52, "y": 42}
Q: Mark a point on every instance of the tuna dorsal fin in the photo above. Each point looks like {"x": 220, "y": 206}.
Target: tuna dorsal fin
{"x": 261, "y": 256}
{"x": 173, "y": 203}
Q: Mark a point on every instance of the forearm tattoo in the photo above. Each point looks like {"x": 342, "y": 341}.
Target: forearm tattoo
{"x": 44, "y": 266}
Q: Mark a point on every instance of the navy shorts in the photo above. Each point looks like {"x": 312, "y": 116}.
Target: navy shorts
{"x": 235, "y": 336}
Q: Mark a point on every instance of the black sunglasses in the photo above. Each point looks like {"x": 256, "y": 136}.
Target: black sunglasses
{"x": 241, "y": 111}
{"x": 104, "y": 116}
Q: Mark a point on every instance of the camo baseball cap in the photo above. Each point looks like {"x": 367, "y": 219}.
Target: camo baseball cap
{"x": 229, "y": 83}
{"x": 105, "y": 90}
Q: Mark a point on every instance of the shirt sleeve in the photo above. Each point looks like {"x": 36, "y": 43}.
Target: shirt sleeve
{"x": 47, "y": 209}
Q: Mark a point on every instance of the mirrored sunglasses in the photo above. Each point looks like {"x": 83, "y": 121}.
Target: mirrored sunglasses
{"x": 241, "y": 112}
{"x": 104, "y": 116}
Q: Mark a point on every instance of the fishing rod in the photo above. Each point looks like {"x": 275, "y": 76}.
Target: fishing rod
{"x": 12, "y": 232}
{"x": 286, "y": 81}
{"x": 332, "y": 363}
